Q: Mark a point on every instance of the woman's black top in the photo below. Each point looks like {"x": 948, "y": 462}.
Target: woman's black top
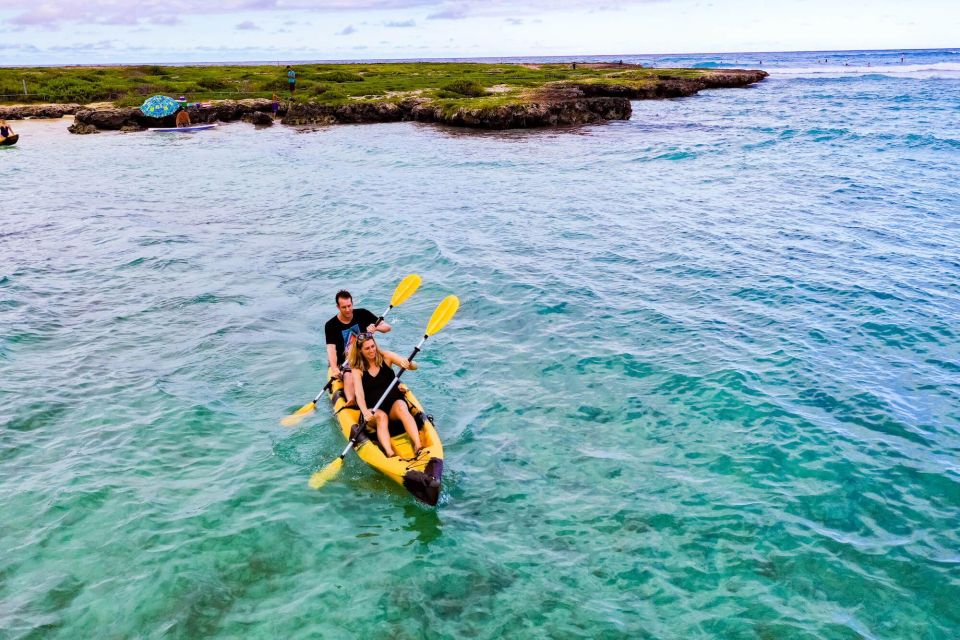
{"x": 374, "y": 386}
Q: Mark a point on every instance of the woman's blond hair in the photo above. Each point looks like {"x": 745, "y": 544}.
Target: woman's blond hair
{"x": 356, "y": 359}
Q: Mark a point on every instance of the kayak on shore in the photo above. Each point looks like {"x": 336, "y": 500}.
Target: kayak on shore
{"x": 190, "y": 129}
{"x": 9, "y": 141}
{"x": 420, "y": 475}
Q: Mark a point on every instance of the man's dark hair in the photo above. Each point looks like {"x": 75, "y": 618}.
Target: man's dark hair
{"x": 343, "y": 294}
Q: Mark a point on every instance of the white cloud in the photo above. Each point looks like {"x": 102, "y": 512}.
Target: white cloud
{"x": 450, "y": 13}
{"x": 170, "y": 30}
{"x": 29, "y": 12}
{"x": 165, "y": 21}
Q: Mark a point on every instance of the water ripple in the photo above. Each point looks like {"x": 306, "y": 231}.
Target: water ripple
{"x": 702, "y": 383}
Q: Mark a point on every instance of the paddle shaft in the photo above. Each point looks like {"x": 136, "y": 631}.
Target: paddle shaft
{"x": 393, "y": 383}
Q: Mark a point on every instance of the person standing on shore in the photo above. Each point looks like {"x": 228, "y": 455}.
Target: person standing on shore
{"x": 291, "y": 79}
{"x": 341, "y": 330}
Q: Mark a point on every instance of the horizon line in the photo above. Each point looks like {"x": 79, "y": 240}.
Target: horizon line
{"x": 559, "y": 58}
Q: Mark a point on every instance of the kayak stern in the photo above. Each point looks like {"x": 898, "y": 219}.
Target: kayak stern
{"x": 425, "y": 485}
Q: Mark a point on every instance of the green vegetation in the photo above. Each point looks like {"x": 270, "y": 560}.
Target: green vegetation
{"x": 338, "y": 76}
{"x": 459, "y": 88}
{"x": 449, "y": 84}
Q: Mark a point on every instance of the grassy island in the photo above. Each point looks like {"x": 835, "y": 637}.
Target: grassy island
{"x": 473, "y": 83}
{"x": 490, "y": 95}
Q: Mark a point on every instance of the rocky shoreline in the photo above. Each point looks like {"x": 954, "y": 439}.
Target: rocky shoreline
{"x": 256, "y": 110}
{"x": 26, "y": 111}
{"x": 535, "y": 113}
{"x": 557, "y": 104}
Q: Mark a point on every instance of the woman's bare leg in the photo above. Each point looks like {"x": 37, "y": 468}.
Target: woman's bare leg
{"x": 399, "y": 411}
{"x": 383, "y": 433}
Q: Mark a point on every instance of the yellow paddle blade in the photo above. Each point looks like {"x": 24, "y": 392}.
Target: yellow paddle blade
{"x": 297, "y": 416}
{"x": 405, "y": 289}
{"x": 441, "y": 316}
{"x": 326, "y": 474}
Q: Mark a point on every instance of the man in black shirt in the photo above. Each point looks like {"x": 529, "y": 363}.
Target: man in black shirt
{"x": 341, "y": 330}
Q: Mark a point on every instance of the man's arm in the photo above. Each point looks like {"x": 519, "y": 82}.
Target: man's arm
{"x": 383, "y": 327}
{"x": 332, "y": 359}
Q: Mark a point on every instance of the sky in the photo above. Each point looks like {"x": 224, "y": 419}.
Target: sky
{"x": 120, "y": 31}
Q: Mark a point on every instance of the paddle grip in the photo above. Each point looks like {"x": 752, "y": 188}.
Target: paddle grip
{"x": 382, "y": 316}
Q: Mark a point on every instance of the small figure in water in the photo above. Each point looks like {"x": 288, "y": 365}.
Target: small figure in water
{"x": 901, "y": 59}
{"x": 5, "y": 130}
{"x": 275, "y": 106}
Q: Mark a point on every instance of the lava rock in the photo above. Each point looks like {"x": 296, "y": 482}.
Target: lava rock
{"x": 259, "y": 119}
{"x": 82, "y": 129}
{"x": 22, "y": 112}
{"x": 111, "y": 119}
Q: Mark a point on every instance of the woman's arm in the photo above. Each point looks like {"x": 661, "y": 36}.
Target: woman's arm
{"x": 358, "y": 394}
{"x": 391, "y": 358}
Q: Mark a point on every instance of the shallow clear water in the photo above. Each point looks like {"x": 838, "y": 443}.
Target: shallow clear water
{"x": 704, "y": 381}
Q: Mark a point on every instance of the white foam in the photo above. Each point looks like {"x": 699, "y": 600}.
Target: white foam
{"x": 932, "y": 70}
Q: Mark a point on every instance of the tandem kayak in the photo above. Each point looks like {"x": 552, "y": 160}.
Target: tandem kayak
{"x": 420, "y": 476}
{"x": 9, "y": 141}
{"x": 190, "y": 129}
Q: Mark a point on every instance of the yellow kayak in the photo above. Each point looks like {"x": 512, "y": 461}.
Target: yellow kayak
{"x": 420, "y": 476}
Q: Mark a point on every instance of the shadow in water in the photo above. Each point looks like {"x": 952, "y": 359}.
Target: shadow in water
{"x": 423, "y": 521}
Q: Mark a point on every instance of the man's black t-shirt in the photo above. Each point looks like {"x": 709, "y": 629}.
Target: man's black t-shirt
{"x": 339, "y": 334}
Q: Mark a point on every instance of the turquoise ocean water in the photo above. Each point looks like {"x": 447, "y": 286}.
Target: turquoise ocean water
{"x": 704, "y": 382}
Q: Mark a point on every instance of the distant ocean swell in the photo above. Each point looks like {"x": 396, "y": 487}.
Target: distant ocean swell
{"x": 947, "y": 70}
